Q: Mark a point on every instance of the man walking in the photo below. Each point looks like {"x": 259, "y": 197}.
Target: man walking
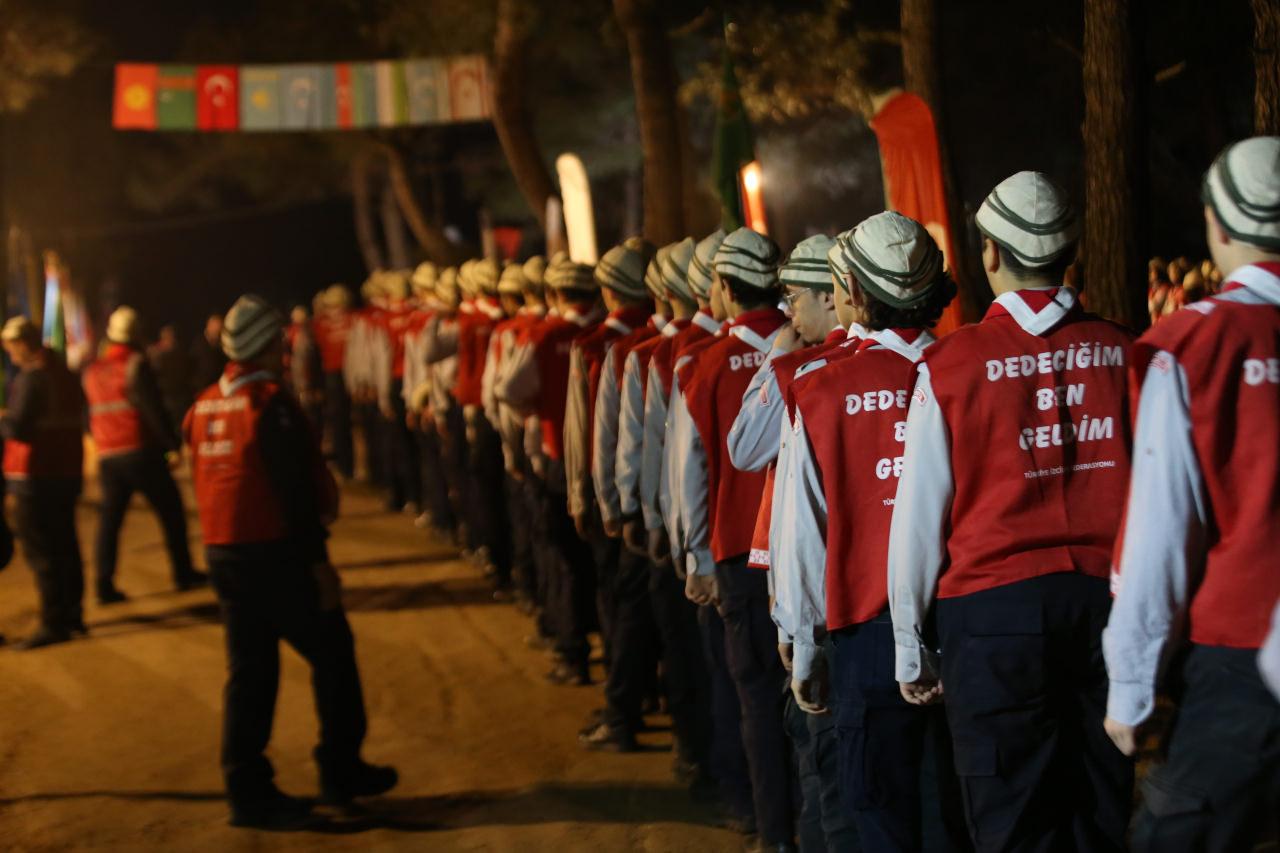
{"x": 136, "y": 444}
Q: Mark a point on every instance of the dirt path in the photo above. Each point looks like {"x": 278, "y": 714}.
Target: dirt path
{"x": 111, "y": 743}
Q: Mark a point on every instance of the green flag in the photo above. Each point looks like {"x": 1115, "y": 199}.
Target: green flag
{"x": 176, "y": 97}
{"x": 732, "y": 148}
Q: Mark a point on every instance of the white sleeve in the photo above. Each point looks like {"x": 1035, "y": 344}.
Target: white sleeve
{"x": 690, "y": 456}
{"x": 630, "y": 438}
{"x": 604, "y": 440}
{"x": 492, "y": 360}
{"x": 753, "y": 438}
{"x": 1269, "y": 655}
{"x": 1162, "y": 555}
{"x": 798, "y": 547}
{"x": 577, "y": 459}
{"x": 518, "y": 382}
{"x": 917, "y": 534}
{"x": 655, "y": 436}
{"x": 679, "y": 424}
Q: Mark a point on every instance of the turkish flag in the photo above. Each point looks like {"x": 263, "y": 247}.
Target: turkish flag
{"x": 217, "y": 97}
{"x": 135, "y": 102}
{"x": 912, "y": 165}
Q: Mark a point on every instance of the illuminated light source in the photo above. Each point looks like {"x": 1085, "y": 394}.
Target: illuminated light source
{"x": 751, "y": 180}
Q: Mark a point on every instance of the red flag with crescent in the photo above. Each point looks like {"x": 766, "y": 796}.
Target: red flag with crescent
{"x": 342, "y": 93}
{"x": 218, "y": 97}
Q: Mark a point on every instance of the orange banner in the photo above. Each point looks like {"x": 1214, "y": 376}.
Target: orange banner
{"x": 913, "y": 177}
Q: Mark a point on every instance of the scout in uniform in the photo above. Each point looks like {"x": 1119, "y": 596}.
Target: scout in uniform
{"x": 1197, "y": 575}
{"x": 753, "y": 445}
{"x": 718, "y": 506}
{"x": 536, "y": 380}
{"x": 332, "y": 328}
{"x": 1016, "y": 457}
{"x": 829, "y": 537}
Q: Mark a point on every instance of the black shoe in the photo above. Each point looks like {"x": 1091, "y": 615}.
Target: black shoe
{"x": 741, "y": 824}
{"x": 80, "y": 629}
{"x": 111, "y": 595}
{"x": 568, "y": 675}
{"x": 594, "y": 719}
{"x": 337, "y": 788}
{"x": 195, "y": 580}
{"x": 44, "y": 637}
{"x": 607, "y": 738}
{"x": 277, "y": 812}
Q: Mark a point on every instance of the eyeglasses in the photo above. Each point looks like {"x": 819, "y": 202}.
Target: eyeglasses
{"x": 792, "y": 296}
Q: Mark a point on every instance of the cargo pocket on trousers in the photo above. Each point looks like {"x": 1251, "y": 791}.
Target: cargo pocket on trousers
{"x": 854, "y": 776}
{"x": 977, "y": 761}
{"x": 1001, "y": 665}
{"x": 1166, "y": 800}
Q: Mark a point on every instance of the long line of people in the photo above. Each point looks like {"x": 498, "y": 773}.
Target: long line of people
{"x": 895, "y": 593}
{"x": 745, "y": 470}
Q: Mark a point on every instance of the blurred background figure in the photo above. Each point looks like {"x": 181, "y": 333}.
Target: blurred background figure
{"x": 207, "y": 359}
{"x": 302, "y": 366}
{"x": 170, "y": 365}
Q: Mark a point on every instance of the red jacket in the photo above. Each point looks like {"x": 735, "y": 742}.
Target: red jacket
{"x": 332, "y": 331}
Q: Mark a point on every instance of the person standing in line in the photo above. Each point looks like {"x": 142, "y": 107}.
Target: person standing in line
{"x": 1197, "y": 576}
{"x": 265, "y": 499}
{"x": 1014, "y": 464}
{"x": 44, "y": 470}
{"x": 536, "y": 380}
{"x": 332, "y": 327}
{"x": 717, "y": 529}
{"x": 753, "y": 445}
{"x": 661, "y": 475}
{"x": 302, "y": 366}
{"x": 829, "y": 538}
{"x": 136, "y": 447}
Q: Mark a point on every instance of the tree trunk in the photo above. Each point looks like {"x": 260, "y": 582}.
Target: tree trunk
{"x": 393, "y": 229}
{"x": 511, "y": 114}
{"x": 1113, "y": 247}
{"x": 362, "y": 202}
{"x": 920, "y": 59}
{"x": 431, "y": 238}
{"x": 654, "y": 77}
{"x": 1266, "y": 58}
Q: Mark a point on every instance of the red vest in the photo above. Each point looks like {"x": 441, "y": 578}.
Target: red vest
{"x": 237, "y": 501}
{"x": 1040, "y": 439}
{"x": 398, "y": 322}
{"x": 114, "y": 422}
{"x": 624, "y": 346}
{"x": 784, "y": 370}
{"x": 595, "y": 345}
{"x": 858, "y": 453}
{"x": 644, "y": 352}
{"x": 332, "y": 331}
{"x": 552, "y": 340}
{"x": 474, "y": 331}
{"x": 666, "y": 357}
{"x": 56, "y": 451}
{"x": 1230, "y": 353}
{"x": 713, "y": 385}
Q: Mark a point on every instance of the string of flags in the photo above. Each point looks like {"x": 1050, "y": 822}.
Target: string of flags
{"x": 332, "y": 96}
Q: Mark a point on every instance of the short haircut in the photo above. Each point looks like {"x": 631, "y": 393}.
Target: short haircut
{"x": 1056, "y": 271}
{"x": 750, "y": 296}
{"x": 925, "y": 315}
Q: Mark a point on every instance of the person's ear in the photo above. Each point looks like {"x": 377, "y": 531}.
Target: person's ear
{"x": 1216, "y": 231}
{"x": 990, "y": 255}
